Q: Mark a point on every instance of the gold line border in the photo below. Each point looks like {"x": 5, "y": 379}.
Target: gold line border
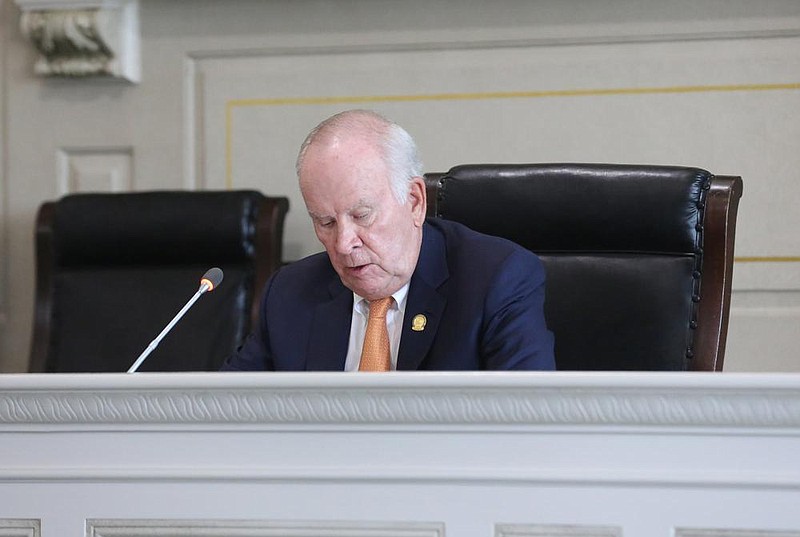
{"x": 767, "y": 259}
{"x": 284, "y": 101}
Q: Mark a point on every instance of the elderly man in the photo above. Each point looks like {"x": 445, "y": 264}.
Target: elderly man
{"x": 393, "y": 291}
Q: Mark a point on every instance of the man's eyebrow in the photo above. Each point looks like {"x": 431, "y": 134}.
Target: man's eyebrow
{"x": 314, "y": 215}
{"x": 362, "y": 203}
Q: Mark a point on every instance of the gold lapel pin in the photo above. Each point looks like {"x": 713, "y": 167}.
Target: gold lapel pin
{"x": 418, "y": 322}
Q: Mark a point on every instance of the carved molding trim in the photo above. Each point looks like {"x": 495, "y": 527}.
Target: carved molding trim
{"x": 89, "y": 39}
{"x": 20, "y": 527}
{"x": 94, "y": 169}
{"x": 687, "y": 532}
{"x": 552, "y": 400}
{"x": 530, "y": 530}
{"x": 254, "y": 528}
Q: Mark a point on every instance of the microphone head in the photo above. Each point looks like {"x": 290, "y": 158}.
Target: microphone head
{"x": 212, "y": 278}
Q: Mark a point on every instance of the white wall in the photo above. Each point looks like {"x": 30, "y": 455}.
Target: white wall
{"x": 229, "y": 88}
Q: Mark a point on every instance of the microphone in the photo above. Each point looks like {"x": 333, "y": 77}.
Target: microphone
{"x": 210, "y": 280}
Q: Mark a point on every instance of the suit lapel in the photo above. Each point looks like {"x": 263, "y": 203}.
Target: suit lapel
{"x": 424, "y": 301}
{"x": 330, "y": 331}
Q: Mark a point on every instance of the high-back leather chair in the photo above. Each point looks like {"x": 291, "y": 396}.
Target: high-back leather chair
{"x": 639, "y": 259}
{"x": 113, "y": 269}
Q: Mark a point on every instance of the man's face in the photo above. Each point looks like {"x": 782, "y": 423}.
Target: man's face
{"x": 372, "y": 240}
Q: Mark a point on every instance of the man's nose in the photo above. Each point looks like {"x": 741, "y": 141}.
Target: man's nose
{"x": 346, "y": 238}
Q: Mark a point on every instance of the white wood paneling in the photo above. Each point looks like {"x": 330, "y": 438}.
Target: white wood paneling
{"x": 687, "y": 532}
{"x": 466, "y": 454}
{"x": 763, "y": 332}
{"x": 251, "y": 528}
{"x": 20, "y": 527}
{"x": 556, "y": 531}
{"x": 95, "y": 170}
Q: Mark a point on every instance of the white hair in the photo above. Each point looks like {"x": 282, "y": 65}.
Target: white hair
{"x": 398, "y": 147}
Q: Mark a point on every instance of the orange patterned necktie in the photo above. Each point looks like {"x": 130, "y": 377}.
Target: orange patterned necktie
{"x": 375, "y": 354}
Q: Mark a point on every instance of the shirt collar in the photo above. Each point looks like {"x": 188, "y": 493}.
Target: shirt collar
{"x": 399, "y": 296}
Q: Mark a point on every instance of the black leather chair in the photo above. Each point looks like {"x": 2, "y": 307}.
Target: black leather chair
{"x": 113, "y": 269}
{"x": 639, "y": 259}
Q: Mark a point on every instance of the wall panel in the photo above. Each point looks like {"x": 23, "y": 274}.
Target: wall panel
{"x": 229, "y": 89}
{"x": 660, "y": 103}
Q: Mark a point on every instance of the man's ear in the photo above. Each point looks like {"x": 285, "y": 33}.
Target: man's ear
{"x": 418, "y": 197}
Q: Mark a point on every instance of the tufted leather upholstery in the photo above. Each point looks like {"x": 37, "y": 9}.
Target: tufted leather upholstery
{"x": 113, "y": 269}
{"x": 638, "y": 258}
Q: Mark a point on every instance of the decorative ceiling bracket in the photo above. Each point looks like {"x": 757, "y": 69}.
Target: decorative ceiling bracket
{"x": 90, "y": 38}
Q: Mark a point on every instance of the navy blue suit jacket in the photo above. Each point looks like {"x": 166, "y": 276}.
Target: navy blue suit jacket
{"x": 482, "y": 297}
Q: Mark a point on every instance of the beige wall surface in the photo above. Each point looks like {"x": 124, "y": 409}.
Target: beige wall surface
{"x": 228, "y": 90}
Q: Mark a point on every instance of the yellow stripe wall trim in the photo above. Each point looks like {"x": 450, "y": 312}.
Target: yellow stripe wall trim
{"x": 767, "y": 259}
{"x": 284, "y": 101}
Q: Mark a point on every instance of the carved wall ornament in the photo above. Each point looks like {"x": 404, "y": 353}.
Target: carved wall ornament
{"x": 70, "y": 42}
{"x": 84, "y": 41}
